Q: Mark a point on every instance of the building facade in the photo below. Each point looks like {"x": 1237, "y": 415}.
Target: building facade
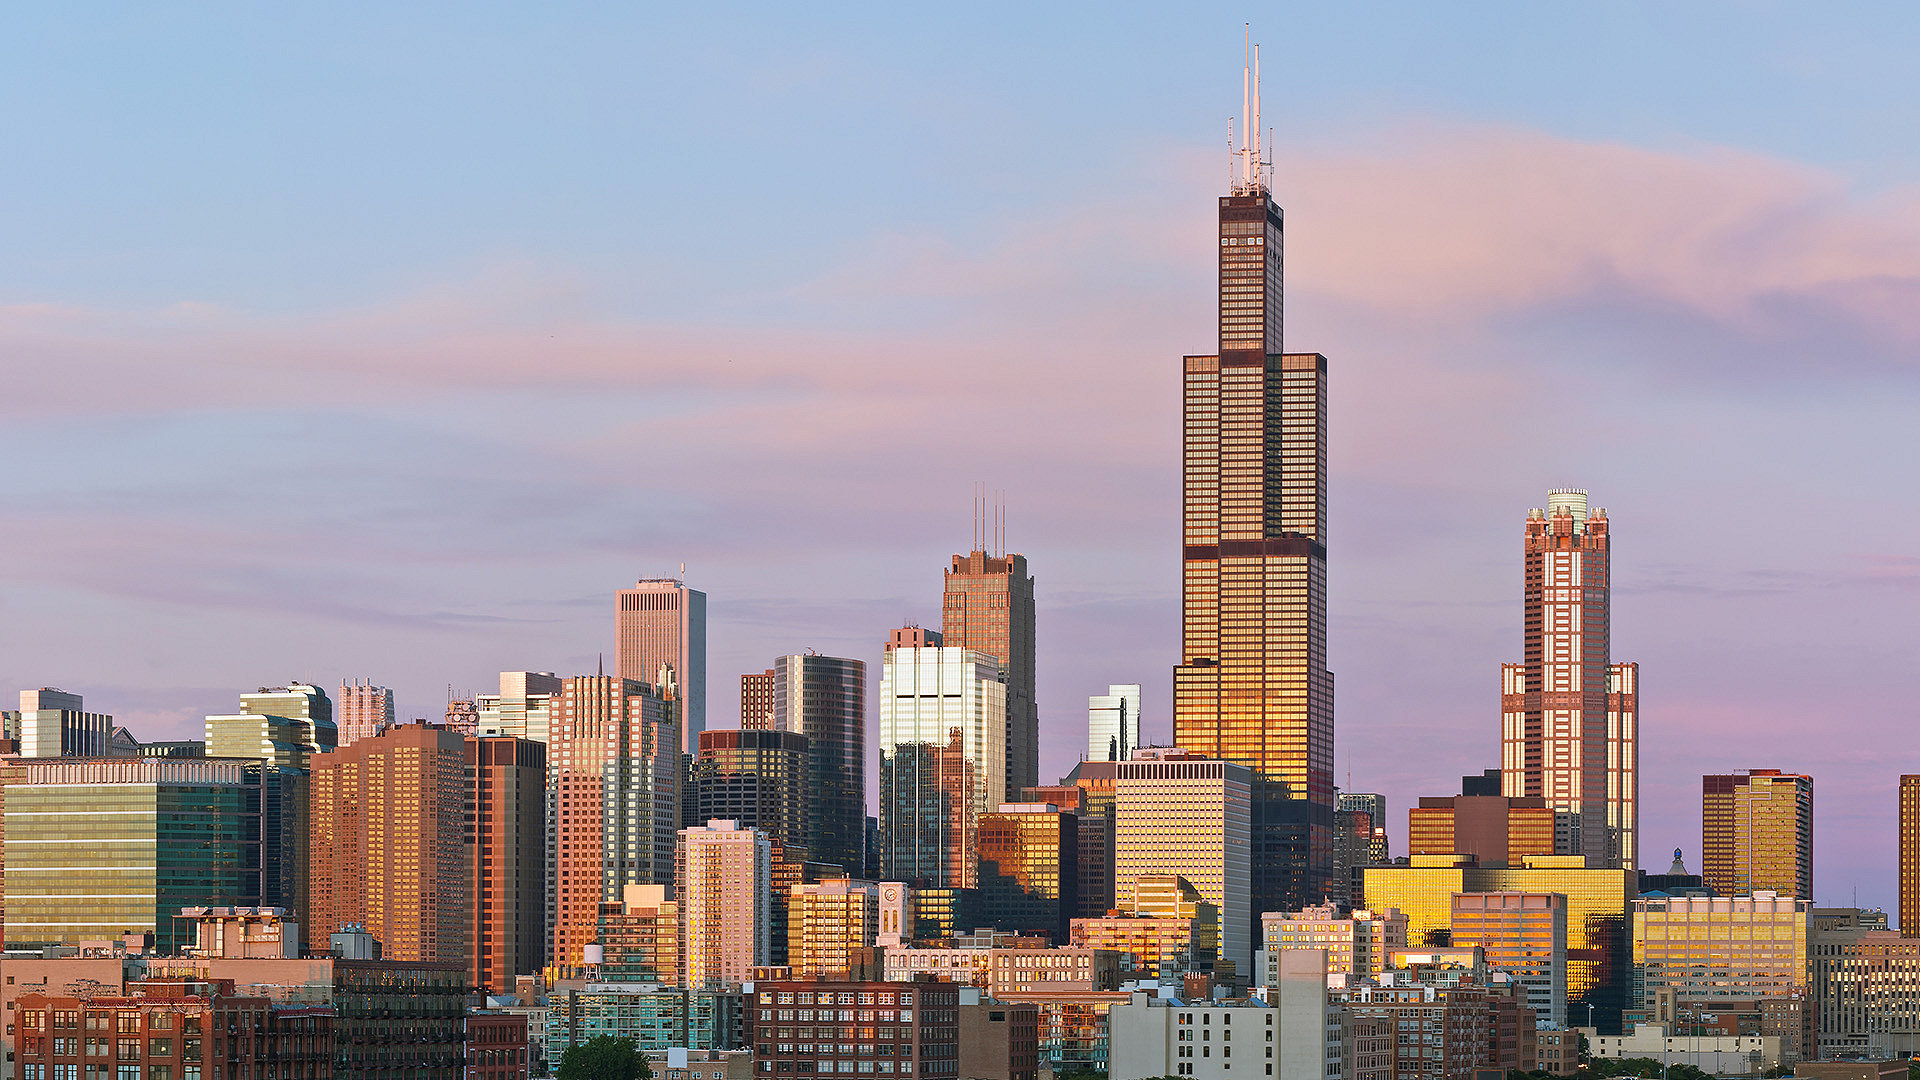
{"x": 1756, "y": 833}
{"x": 942, "y": 758}
{"x": 1524, "y": 935}
{"x": 987, "y": 606}
{"x": 523, "y": 707}
{"x": 724, "y": 884}
{"x": 817, "y": 1027}
{"x": 828, "y": 922}
{"x": 1190, "y": 817}
{"x": 639, "y": 937}
{"x": 825, "y": 699}
{"x": 1569, "y": 716}
{"x": 662, "y": 623}
{"x": 1030, "y": 868}
{"x": 506, "y": 832}
{"x": 362, "y": 710}
{"x": 1113, "y": 723}
{"x": 756, "y": 700}
{"x": 54, "y": 723}
{"x": 387, "y": 844}
{"x": 1497, "y": 830}
{"x": 755, "y": 777}
{"x": 1706, "y": 948}
{"x": 1357, "y": 943}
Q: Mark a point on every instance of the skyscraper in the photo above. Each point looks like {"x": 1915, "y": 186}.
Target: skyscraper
{"x": 388, "y": 846}
{"x": 825, "y": 699}
{"x": 1030, "y": 868}
{"x": 1178, "y": 813}
{"x": 362, "y": 711}
{"x": 756, "y": 700}
{"x": 1756, "y": 833}
{"x": 942, "y": 757}
{"x": 1252, "y": 686}
{"x": 613, "y": 778}
{"x": 1910, "y": 855}
{"x": 725, "y": 876}
{"x": 53, "y": 723}
{"x": 507, "y": 854}
{"x": 757, "y": 778}
{"x": 988, "y": 607}
{"x": 1113, "y": 723}
{"x": 523, "y": 707}
{"x": 661, "y": 621}
{"x": 1569, "y": 717}
{"x": 282, "y": 729}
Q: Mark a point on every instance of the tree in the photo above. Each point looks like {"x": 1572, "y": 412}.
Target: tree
{"x": 604, "y": 1058}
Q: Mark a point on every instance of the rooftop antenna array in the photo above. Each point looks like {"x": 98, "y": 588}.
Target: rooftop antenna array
{"x": 1253, "y": 167}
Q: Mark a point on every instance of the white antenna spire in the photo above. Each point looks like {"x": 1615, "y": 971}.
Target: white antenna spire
{"x": 1247, "y": 122}
{"x": 1250, "y": 160}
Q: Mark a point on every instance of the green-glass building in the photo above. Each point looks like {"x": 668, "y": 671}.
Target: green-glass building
{"x": 100, "y": 847}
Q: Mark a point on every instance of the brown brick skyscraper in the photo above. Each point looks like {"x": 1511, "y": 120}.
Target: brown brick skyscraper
{"x": 1756, "y": 832}
{"x": 1252, "y": 686}
{"x": 988, "y": 606}
{"x": 506, "y": 847}
{"x": 1569, "y": 717}
{"x": 387, "y": 845}
{"x": 1910, "y": 856}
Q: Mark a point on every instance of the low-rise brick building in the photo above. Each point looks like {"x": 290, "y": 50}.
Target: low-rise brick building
{"x": 804, "y": 1028}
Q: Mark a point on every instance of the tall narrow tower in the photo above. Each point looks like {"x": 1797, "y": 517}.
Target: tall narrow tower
{"x": 661, "y": 621}
{"x": 1569, "y": 716}
{"x": 988, "y": 606}
{"x": 1252, "y": 686}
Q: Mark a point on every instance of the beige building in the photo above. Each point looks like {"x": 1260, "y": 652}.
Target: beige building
{"x": 1180, "y": 814}
{"x": 1756, "y": 832}
{"x": 726, "y": 882}
{"x": 1525, "y": 935}
{"x": 1728, "y": 947}
{"x": 1865, "y": 983}
{"x": 1715, "y": 1055}
{"x": 826, "y": 922}
{"x": 1356, "y": 944}
{"x": 661, "y": 624}
{"x": 361, "y": 711}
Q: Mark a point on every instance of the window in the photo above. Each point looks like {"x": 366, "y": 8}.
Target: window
{"x": 126, "y": 1023}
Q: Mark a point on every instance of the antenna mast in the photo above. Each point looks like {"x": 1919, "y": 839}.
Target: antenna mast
{"x": 1253, "y": 164}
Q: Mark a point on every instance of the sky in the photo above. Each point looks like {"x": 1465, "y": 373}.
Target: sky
{"x": 386, "y": 342}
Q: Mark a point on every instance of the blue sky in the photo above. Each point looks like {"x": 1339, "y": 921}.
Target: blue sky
{"x": 388, "y": 343}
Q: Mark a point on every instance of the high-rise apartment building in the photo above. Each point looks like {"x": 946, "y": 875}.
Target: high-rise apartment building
{"x": 756, "y": 700}
{"x": 1756, "y": 832}
{"x": 1113, "y": 723}
{"x": 388, "y": 844}
{"x": 97, "y": 847}
{"x": 523, "y": 707}
{"x": 613, "y": 779}
{"x": 1030, "y": 868}
{"x": 1189, "y": 816}
{"x": 825, "y": 699}
{"x": 54, "y": 723}
{"x": 1497, "y": 830}
{"x": 362, "y": 710}
{"x": 282, "y": 728}
{"x": 725, "y": 876}
{"x": 1524, "y": 935}
{"x": 506, "y": 832}
{"x": 942, "y": 757}
{"x": 662, "y": 622}
{"x": 988, "y": 607}
{"x": 1252, "y": 686}
{"x": 1569, "y": 716}
{"x": 1910, "y": 855}
{"x": 639, "y": 937}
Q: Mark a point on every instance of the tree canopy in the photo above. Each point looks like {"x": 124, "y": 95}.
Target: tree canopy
{"x": 604, "y": 1058}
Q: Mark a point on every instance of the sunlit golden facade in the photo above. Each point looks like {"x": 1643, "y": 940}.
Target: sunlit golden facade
{"x": 1252, "y": 686}
{"x": 1756, "y": 832}
{"x": 1726, "y": 947}
{"x": 1910, "y": 855}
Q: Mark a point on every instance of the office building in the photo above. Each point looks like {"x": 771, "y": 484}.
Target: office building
{"x": 1910, "y": 855}
{"x": 1357, "y": 944}
{"x": 825, "y": 699}
{"x": 506, "y": 834}
{"x": 613, "y": 771}
{"x": 1030, "y": 868}
{"x": 1094, "y": 780}
{"x": 54, "y": 723}
{"x": 828, "y": 922}
{"x": 101, "y": 847}
{"x": 1756, "y": 833}
{"x": 282, "y": 728}
{"x": 1359, "y": 839}
{"x": 1524, "y": 935}
{"x": 1149, "y": 946}
{"x": 725, "y": 876}
{"x": 639, "y": 937}
{"x": 756, "y": 700}
{"x": 1717, "y": 953}
{"x": 1599, "y": 948}
{"x": 988, "y": 607}
{"x": 523, "y": 707}
{"x": 1290, "y": 1032}
{"x": 1569, "y": 716}
{"x": 1252, "y": 686}
{"x": 662, "y": 623}
{"x": 757, "y": 778}
{"x": 917, "y": 1028}
{"x": 942, "y": 757}
{"x": 362, "y": 711}
{"x": 1113, "y": 723}
{"x": 387, "y": 845}
{"x": 1863, "y": 979}
{"x": 1497, "y": 830}
{"x": 159, "y": 1030}
{"x": 1192, "y": 817}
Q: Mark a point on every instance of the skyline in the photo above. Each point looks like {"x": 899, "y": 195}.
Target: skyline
{"x": 205, "y": 496}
